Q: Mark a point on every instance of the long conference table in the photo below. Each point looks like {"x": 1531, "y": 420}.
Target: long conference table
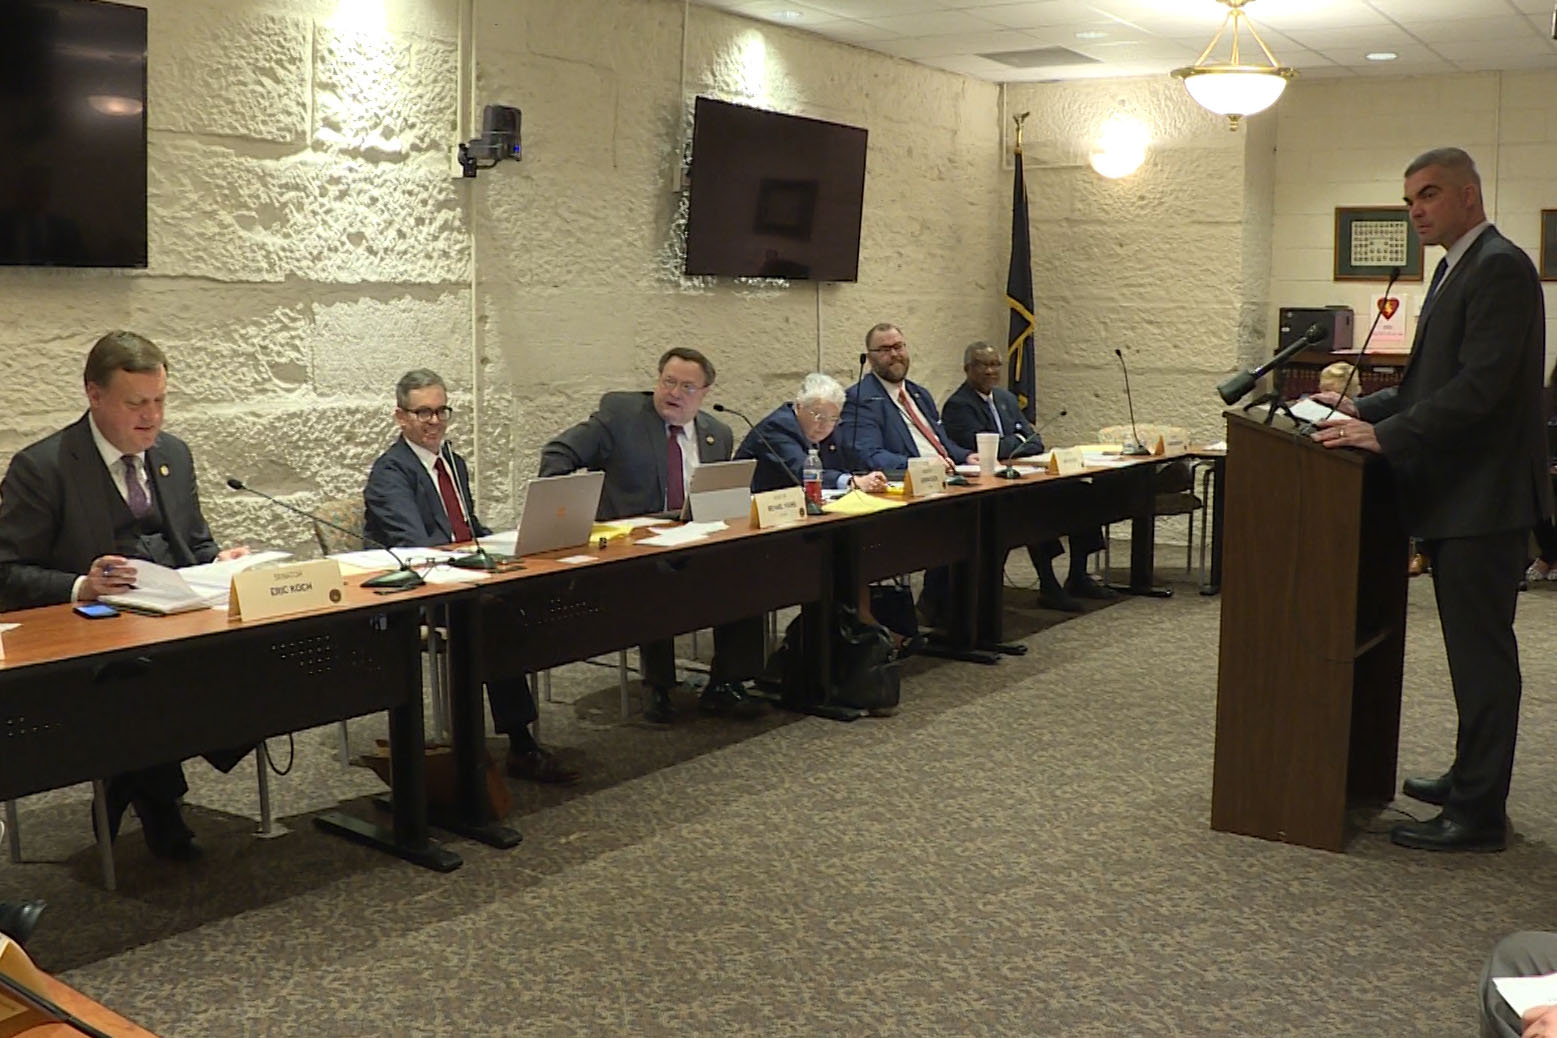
{"x": 84, "y": 699}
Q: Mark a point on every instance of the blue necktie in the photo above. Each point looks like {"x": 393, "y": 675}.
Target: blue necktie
{"x": 996, "y": 412}
{"x": 1432, "y": 289}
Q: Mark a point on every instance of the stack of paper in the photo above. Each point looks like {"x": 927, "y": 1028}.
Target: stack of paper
{"x": 686, "y": 533}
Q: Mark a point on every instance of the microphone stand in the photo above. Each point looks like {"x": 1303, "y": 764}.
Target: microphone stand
{"x": 479, "y": 559}
{"x": 1010, "y": 472}
{"x": 1136, "y": 449}
{"x": 402, "y": 579}
{"x": 812, "y": 508}
{"x": 1240, "y": 384}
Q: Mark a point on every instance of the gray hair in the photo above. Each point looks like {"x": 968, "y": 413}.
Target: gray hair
{"x": 820, "y": 389}
{"x": 975, "y": 347}
{"x": 1456, "y": 161}
{"x": 411, "y": 381}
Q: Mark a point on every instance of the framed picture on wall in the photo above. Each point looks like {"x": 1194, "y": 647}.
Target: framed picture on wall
{"x": 1549, "y": 244}
{"x": 1372, "y": 240}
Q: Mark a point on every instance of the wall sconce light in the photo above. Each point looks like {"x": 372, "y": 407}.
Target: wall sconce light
{"x": 1121, "y": 146}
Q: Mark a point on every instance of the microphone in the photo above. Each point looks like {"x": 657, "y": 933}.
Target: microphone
{"x": 812, "y": 508}
{"x": 401, "y": 579}
{"x": 1394, "y": 272}
{"x": 1010, "y": 472}
{"x": 854, "y": 430}
{"x": 1137, "y": 448}
{"x": 1235, "y": 388}
{"x": 479, "y": 559}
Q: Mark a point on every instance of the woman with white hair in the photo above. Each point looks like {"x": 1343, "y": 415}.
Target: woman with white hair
{"x": 781, "y": 441}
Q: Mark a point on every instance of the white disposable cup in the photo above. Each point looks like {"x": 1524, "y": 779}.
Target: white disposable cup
{"x": 988, "y": 447}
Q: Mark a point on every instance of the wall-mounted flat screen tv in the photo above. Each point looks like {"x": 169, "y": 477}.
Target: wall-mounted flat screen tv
{"x": 774, "y": 195}
{"x": 72, "y": 134}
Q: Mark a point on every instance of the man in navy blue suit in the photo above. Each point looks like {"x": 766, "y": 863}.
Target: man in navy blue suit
{"x": 418, "y": 495}
{"x": 781, "y": 441}
{"x": 980, "y": 405}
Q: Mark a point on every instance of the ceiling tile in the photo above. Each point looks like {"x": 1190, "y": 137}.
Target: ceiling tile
{"x": 1477, "y": 29}
{"x": 936, "y": 23}
{"x": 1408, "y": 11}
{"x": 876, "y": 8}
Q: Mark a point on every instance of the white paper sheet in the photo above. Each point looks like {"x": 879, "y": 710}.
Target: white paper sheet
{"x": 454, "y": 575}
{"x": 684, "y": 534}
{"x": 574, "y": 560}
{"x": 1525, "y": 993}
{"x": 1310, "y": 410}
{"x": 504, "y": 542}
{"x": 217, "y": 577}
{"x": 377, "y": 558}
{"x": 639, "y": 520}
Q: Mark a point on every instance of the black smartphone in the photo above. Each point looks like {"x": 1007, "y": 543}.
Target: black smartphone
{"x": 96, "y": 610}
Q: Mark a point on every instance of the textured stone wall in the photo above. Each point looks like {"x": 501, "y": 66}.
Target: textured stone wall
{"x": 1163, "y": 264}
{"x": 308, "y": 243}
{"x": 1347, "y": 144}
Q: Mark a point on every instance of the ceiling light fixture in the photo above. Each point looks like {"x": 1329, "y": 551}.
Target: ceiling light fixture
{"x": 1233, "y": 88}
{"x": 1090, "y": 34}
{"x": 787, "y": 15}
{"x": 1382, "y": 55}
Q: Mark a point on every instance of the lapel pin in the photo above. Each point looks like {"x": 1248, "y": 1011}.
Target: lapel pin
{"x": 710, "y": 439}
{"x": 162, "y": 470}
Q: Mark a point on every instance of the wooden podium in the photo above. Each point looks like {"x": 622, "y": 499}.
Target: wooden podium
{"x": 1313, "y": 637}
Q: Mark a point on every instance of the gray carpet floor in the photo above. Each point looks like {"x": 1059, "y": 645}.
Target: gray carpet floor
{"x": 1023, "y": 850}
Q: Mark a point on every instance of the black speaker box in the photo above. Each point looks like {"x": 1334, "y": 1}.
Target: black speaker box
{"x": 1338, "y": 321}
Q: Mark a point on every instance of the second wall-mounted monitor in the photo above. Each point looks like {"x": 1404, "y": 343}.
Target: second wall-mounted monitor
{"x": 774, "y": 195}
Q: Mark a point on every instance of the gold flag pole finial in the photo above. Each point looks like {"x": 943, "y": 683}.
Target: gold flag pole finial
{"x": 1019, "y": 120}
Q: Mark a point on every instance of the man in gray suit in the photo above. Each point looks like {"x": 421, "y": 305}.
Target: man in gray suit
{"x": 1465, "y": 437}
{"x": 79, "y": 507}
{"x": 647, "y": 444}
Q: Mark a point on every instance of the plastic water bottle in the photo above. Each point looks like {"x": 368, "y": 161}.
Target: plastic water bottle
{"x": 811, "y": 476}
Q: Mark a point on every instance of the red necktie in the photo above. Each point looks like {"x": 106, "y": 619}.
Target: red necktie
{"x": 675, "y": 474}
{"x": 920, "y": 424}
{"x": 451, "y": 503}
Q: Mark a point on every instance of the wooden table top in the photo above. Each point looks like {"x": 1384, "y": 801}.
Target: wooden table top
{"x": 68, "y": 998}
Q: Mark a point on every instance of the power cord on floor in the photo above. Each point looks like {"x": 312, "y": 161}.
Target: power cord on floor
{"x": 291, "y": 756}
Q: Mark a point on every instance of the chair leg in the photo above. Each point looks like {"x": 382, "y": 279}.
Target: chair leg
{"x": 1189, "y": 546}
{"x": 532, "y": 683}
{"x": 268, "y": 828}
{"x": 13, "y": 831}
{"x": 1108, "y": 562}
{"x": 435, "y": 674}
{"x": 1205, "y": 520}
{"x": 105, "y": 843}
{"x": 621, "y": 678}
{"x": 546, "y": 684}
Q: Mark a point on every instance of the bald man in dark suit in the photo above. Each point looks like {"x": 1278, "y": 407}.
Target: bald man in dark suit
{"x": 1465, "y": 437}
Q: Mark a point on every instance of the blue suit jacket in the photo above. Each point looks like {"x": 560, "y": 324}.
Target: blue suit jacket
{"x": 966, "y": 415}
{"x": 872, "y": 425}
{"x": 402, "y": 506}
{"x": 785, "y": 452}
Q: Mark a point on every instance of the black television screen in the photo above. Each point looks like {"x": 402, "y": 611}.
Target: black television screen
{"x": 72, "y": 134}
{"x": 774, "y": 195}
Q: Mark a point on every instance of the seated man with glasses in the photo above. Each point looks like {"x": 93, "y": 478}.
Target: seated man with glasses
{"x": 980, "y": 405}
{"x": 781, "y": 441}
{"x": 647, "y": 444}
{"x": 418, "y": 496}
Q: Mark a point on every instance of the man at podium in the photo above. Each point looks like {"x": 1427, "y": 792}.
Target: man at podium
{"x": 1464, "y": 435}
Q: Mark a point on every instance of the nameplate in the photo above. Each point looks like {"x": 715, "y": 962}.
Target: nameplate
{"x": 1066, "y": 461}
{"x": 1173, "y": 446}
{"x": 924, "y": 476}
{"x": 778, "y": 507}
{"x": 266, "y": 591}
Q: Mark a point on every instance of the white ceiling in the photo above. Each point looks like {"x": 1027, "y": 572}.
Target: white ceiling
{"x": 1320, "y": 38}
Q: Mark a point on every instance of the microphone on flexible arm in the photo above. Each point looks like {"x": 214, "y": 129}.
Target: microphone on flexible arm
{"x": 812, "y": 508}
{"x": 401, "y": 579}
{"x": 854, "y": 430}
{"x": 479, "y": 559}
{"x": 1010, "y": 472}
{"x": 1378, "y": 312}
{"x": 1137, "y": 448}
{"x": 1237, "y": 387}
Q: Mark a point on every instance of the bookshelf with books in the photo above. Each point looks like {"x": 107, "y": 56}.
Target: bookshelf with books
{"x": 1379, "y": 370}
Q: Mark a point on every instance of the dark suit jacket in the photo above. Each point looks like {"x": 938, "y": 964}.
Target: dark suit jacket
{"x": 781, "y": 460}
{"x": 872, "y": 425}
{"x": 53, "y": 524}
{"x": 625, "y": 439}
{"x": 1464, "y": 432}
{"x": 966, "y": 415}
{"x": 403, "y": 508}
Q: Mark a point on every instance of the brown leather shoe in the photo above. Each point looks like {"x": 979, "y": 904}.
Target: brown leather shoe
{"x": 540, "y": 766}
{"x": 1418, "y": 565}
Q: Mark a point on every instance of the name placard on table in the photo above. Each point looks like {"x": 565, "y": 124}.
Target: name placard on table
{"x": 265, "y": 592}
{"x": 925, "y": 476}
{"x": 1067, "y": 461}
{"x": 778, "y": 507}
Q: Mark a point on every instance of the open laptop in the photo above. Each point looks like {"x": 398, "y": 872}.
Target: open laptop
{"x": 719, "y": 490}
{"x": 558, "y": 512}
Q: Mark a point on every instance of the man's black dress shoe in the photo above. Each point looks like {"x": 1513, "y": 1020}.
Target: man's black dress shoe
{"x": 19, "y": 919}
{"x": 1058, "y": 598}
{"x": 1433, "y": 791}
{"x": 163, "y": 827}
{"x": 658, "y": 710}
{"x": 729, "y": 699}
{"x": 1446, "y": 834}
{"x": 1087, "y": 587}
{"x": 540, "y": 765}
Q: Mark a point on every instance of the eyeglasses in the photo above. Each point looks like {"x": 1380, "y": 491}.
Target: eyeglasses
{"x": 427, "y": 414}
{"x": 895, "y": 347}
{"x": 994, "y": 364}
{"x": 822, "y": 417}
{"x": 670, "y": 385}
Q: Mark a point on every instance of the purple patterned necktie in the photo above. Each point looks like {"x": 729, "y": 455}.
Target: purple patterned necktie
{"x": 136, "y": 497}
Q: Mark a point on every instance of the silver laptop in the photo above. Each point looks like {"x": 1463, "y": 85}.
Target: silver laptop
{"x": 558, "y": 512}
{"x": 719, "y": 490}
